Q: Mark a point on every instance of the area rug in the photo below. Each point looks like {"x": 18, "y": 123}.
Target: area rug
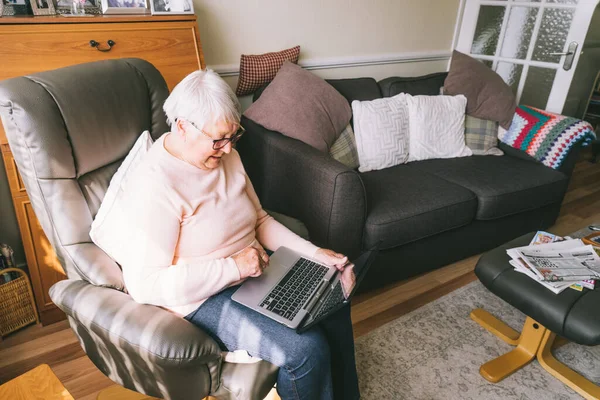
{"x": 435, "y": 352}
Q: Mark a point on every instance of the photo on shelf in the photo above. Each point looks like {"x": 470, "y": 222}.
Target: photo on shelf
{"x": 42, "y": 7}
{"x": 78, "y": 8}
{"x": 13, "y": 7}
{"x": 166, "y": 7}
{"x": 125, "y": 7}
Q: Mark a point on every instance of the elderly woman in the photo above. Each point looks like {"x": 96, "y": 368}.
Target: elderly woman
{"x": 195, "y": 229}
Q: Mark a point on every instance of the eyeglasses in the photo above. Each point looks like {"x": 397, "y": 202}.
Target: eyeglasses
{"x": 218, "y": 144}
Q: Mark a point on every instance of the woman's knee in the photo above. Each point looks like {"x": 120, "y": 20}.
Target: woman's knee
{"x": 310, "y": 352}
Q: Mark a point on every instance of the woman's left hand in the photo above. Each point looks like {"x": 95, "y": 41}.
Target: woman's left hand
{"x": 330, "y": 257}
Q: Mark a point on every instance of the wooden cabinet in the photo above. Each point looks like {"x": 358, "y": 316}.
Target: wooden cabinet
{"x": 33, "y": 44}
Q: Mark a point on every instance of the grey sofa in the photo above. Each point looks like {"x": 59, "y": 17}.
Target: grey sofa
{"x": 426, "y": 214}
{"x": 69, "y": 131}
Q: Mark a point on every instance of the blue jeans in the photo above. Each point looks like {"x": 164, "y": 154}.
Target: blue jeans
{"x": 316, "y": 364}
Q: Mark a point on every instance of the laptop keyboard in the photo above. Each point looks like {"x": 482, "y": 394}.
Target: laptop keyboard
{"x": 335, "y": 297}
{"x": 290, "y": 294}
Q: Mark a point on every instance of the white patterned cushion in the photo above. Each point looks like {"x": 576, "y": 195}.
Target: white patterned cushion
{"x": 344, "y": 148}
{"x": 437, "y": 127}
{"x": 381, "y": 130}
{"x": 100, "y": 233}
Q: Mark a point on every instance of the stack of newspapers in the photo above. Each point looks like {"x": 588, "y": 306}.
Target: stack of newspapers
{"x": 557, "y": 263}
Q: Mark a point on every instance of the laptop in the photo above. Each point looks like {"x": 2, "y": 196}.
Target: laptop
{"x": 298, "y": 291}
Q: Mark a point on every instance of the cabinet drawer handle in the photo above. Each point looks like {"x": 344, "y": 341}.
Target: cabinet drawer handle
{"x": 95, "y": 44}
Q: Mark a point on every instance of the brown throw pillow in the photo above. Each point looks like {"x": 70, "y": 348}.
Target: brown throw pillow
{"x": 488, "y": 96}
{"x": 302, "y": 106}
{"x": 258, "y": 70}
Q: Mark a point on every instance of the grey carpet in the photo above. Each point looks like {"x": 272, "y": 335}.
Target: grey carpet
{"x": 435, "y": 352}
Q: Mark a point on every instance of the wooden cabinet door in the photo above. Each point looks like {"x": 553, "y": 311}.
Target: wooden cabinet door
{"x": 44, "y": 267}
{"x": 172, "y": 47}
{"x": 15, "y": 183}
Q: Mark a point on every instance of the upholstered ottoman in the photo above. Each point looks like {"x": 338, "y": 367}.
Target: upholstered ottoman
{"x": 570, "y": 314}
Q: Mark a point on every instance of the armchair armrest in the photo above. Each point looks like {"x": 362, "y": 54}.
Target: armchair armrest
{"x": 142, "y": 347}
{"x": 295, "y": 179}
{"x": 166, "y": 337}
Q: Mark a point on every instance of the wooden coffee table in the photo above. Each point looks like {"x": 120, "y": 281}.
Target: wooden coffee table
{"x": 38, "y": 384}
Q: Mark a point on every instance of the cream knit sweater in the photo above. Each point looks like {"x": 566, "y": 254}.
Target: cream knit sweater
{"x": 177, "y": 226}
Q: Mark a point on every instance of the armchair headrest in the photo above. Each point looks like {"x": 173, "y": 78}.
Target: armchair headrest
{"x": 69, "y": 129}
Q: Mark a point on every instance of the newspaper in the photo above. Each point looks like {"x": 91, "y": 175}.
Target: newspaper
{"x": 556, "y": 262}
{"x": 572, "y": 265}
{"x": 555, "y": 287}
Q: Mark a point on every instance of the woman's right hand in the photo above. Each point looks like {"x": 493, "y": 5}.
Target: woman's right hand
{"x": 251, "y": 261}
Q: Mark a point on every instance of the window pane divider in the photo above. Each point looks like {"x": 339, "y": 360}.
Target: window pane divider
{"x": 508, "y": 5}
{"x": 529, "y": 61}
{"x": 524, "y": 4}
{"x": 541, "y": 64}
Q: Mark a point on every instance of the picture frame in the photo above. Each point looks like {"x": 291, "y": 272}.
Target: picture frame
{"x": 42, "y": 7}
{"x": 171, "y": 7}
{"x": 13, "y": 7}
{"x": 125, "y": 7}
{"x": 90, "y": 7}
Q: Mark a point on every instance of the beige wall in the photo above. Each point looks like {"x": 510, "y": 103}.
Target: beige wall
{"x": 324, "y": 28}
{"x": 330, "y": 31}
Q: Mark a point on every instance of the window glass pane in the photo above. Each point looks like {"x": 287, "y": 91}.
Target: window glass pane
{"x": 487, "y": 31}
{"x": 555, "y": 27}
{"x": 489, "y": 63}
{"x": 518, "y": 32}
{"x": 564, "y": 1}
{"x": 511, "y": 73}
{"x": 537, "y": 87}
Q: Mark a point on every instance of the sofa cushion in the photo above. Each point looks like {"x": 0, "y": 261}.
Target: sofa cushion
{"x": 302, "y": 106}
{"x": 344, "y": 149}
{"x": 405, "y": 204}
{"x": 488, "y": 96}
{"x": 481, "y": 136}
{"x": 257, "y": 70}
{"x": 504, "y": 185}
{"x": 361, "y": 89}
{"x": 427, "y": 85}
{"x": 437, "y": 127}
{"x": 381, "y": 127}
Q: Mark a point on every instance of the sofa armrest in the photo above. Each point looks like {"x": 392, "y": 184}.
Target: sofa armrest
{"x": 295, "y": 179}
{"x": 164, "y": 338}
{"x": 566, "y": 167}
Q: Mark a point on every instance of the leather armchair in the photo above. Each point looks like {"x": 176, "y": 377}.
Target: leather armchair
{"x": 69, "y": 130}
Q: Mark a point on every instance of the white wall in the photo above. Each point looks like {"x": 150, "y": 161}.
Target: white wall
{"x": 341, "y": 33}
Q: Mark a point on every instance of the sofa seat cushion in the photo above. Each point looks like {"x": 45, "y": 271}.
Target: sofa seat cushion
{"x": 504, "y": 185}
{"x": 405, "y": 204}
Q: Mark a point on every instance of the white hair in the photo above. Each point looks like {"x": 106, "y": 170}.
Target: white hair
{"x": 202, "y": 97}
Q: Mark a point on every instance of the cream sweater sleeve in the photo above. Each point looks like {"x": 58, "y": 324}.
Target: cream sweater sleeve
{"x": 153, "y": 226}
{"x": 271, "y": 234}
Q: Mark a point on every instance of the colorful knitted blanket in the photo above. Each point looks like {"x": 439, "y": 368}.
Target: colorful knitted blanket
{"x": 546, "y": 136}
